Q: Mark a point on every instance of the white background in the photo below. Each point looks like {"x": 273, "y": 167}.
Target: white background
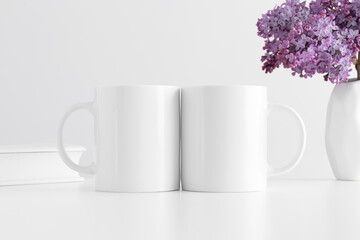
{"x": 53, "y": 53}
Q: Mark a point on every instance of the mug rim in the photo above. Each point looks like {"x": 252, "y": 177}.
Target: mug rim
{"x": 136, "y": 86}
{"x": 224, "y": 86}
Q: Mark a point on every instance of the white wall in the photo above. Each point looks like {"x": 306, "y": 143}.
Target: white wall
{"x": 53, "y": 53}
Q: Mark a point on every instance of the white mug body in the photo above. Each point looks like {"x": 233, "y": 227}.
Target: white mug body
{"x": 224, "y": 138}
{"x": 137, "y": 138}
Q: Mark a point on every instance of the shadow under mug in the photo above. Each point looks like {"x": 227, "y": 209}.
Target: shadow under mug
{"x": 137, "y": 138}
{"x": 224, "y": 138}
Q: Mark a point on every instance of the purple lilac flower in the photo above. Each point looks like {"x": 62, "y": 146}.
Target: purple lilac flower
{"x": 322, "y": 38}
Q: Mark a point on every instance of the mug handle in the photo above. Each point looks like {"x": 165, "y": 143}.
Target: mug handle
{"x": 90, "y": 169}
{"x": 301, "y": 148}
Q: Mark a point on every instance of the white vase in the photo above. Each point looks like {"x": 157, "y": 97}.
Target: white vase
{"x": 342, "y": 136}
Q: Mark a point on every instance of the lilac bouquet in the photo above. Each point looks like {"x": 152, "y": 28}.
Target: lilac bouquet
{"x": 320, "y": 38}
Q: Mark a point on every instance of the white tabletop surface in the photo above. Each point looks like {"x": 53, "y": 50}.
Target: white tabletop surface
{"x": 290, "y": 209}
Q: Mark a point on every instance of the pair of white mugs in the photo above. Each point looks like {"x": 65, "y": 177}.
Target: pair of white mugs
{"x": 219, "y": 131}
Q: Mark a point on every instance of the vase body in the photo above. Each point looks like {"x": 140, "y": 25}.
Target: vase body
{"x": 342, "y": 135}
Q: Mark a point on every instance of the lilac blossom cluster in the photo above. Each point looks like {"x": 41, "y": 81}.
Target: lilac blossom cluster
{"x": 323, "y": 38}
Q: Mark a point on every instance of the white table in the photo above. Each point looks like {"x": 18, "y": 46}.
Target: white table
{"x": 289, "y": 210}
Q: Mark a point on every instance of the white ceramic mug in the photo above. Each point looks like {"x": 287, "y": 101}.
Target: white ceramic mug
{"x": 136, "y": 138}
{"x": 224, "y": 138}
